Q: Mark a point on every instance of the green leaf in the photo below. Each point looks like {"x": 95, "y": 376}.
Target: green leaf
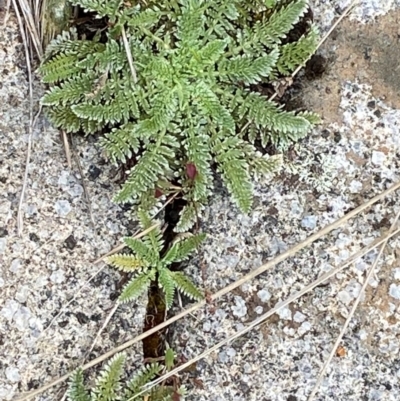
{"x": 126, "y": 263}
{"x": 247, "y": 69}
{"x": 142, "y": 250}
{"x": 188, "y": 216}
{"x": 169, "y": 359}
{"x": 185, "y": 286}
{"x": 183, "y": 248}
{"x": 136, "y": 287}
{"x": 146, "y": 374}
{"x": 108, "y": 384}
{"x": 76, "y": 388}
{"x": 167, "y": 284}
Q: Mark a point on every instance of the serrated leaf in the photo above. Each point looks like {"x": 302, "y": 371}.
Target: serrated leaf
{"x": 183, "y": 248}
{"x": 166, "y": 282}
{"x": 136, "y": 287}
{"x": 76, "y": 388}
{"x": 126, "y": 263}
{"x": 169, "y": 359}
{"x": 108, "y": 384}
{"x": 184, "y": 285}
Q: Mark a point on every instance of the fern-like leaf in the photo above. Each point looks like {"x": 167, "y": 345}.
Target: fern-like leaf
{"x": 152, "y": 166}
{"x": 135, "y": 287}
{"x": 184, "y": 285}
{"x": 182, "y": 249}
{"x": 274, "y": 28}
{"x": 234, "y": 170}
{"x": 144, "y": 376}
{"x": 126, "y": 263}
{"x": 248, "y": 70}
{"x": 108, "y": 385}
{"x": 121, "y": 143}
{"x": 76, "y": 389}
{"x": 297, "y": 53}
{"x": 188, "y": 216}
{"x": 140, "y": 248}
{"x": 166, "y": 282}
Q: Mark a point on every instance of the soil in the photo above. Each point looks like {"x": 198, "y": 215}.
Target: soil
{"x": 368, "y": 53}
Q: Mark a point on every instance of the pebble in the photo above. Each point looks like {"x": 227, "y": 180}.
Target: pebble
{"x": 63, "y": 179}
{"x": 1, "y": 282}
{"x": 299, "y": 317}
{"x": 285, "y": 313}
{"x": 309, "y": 222}
{"x": 394, "y": 291}
{"x": 240, "y": 308}
{"x": 344, "y": 297}
{"x": 57, "y": 276}
{"x": 12, "y": 374}
{"x": 378, "y": 158}
{"x": 3, "y": 244}
{"x": 21, "y": 318}
{"x": 355, "y": 186}
{"x": 75, "y": 191}
{"x": 22, "y": 294}
{"x": 63, "y": 208}
{"x": 305, "y": 326}
{"x": 353, "y": 288}
{"x": 396, "y": 273}
{"x": 264, "y": 295}
{"x": 9, "y": 309}
{"x": 259, "y": 310}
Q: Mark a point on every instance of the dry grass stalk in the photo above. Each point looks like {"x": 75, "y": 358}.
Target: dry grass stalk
{"x": 272, "y": 311}
{"x": 351, "y": 313}
{"x": 232, "y": 286}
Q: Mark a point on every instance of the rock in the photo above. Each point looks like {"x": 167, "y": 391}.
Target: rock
{"x": 75, "y": 191}
{"x": 240, "y": 308}
{"x": 309, "y": 222}
{"x": 285, "y": 313}
{"x": 63, "y": 208}
{"x": 396, "y": 273}
{"x": 355, "y": 187}
{"x": 259, "y": 310}
{"x": 378, "y": 158}
{"x": 22, "y": 294}
{"x": 21, "y": 318}
{"x": 394, "y": 291}
{"x": 344, "y": 297}
{"x": 9, "y": 309}
{"x": 3, "y": 244}
{"x": 299, "y": 317}
{"x": 12, "y": 374}
{"x": 57, "y": 276}
{"x": 264, "y": 295}
{"x": 70, "y": 242}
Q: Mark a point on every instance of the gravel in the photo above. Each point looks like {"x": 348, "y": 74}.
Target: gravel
{"x": 338, "y": 167}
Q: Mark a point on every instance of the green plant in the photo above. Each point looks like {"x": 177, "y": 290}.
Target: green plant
{"x": 150, "y": 264}
{"x": 111, "y": 386}
{"x": 174, "y": 86}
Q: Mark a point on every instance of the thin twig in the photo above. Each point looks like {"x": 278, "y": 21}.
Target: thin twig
{"x": 129, "y": 55}
{"x": 232, "y": 286}
{"x": 7, "y": 15}
{"x": 106, "y": 321}
{"x": 271, "y": 312}
{"x": 351, "y": 314}
{"x": 67, "y": 149}
{"x": 85, "y": 188}
{"x": 32, "y": 121}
